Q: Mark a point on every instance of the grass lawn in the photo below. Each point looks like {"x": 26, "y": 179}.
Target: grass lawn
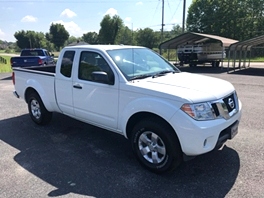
{"x": 4, "y": 68}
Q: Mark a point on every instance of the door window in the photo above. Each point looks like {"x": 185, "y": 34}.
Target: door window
{"x": 90, "y": 62}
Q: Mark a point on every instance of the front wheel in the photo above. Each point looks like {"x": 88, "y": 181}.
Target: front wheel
{"x": 37, "y": 111}
{"x": 156, "y": 145}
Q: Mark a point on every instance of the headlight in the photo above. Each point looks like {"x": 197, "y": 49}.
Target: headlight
{"x": 200, "y": 111}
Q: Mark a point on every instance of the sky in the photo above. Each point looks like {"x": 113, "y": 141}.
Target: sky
{"x": 82, "y": 16}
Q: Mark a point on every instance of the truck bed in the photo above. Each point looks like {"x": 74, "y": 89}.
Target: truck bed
{"x": 50, "y": 68}
{"x": 47, "y": 70}
{"x": 41, "y": 79}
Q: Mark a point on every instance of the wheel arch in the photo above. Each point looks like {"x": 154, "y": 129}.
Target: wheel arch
{"x": 30, "y": 90}
{"x": 137, "y": 117}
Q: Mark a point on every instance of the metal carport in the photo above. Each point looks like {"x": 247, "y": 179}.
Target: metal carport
{"x": 242, "y": 49}
{"x": 194, "y": 38}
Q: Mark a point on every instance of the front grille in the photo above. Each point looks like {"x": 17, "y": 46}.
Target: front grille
{"x": 225, "y": 107}
{"x": 230, "y": 102}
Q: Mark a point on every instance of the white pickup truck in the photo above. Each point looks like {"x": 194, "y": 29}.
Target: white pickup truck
{"x": 166, "y": 114}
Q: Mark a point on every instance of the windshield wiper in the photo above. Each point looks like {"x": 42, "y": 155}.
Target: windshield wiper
{"x": 162, "y": 73}
{"x": 151, "y": 75}
{"x": 141, "y": 76}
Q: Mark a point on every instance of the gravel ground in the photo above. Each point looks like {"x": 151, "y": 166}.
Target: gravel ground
{"x": 68, "y": 158}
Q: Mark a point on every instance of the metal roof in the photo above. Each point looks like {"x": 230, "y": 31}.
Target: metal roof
{"x": 247, "y": 43}
{"x": 243, "y": 47}
{"x": 193, "y": 38}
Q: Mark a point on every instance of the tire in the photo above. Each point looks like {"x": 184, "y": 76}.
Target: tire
{"x": 215, "y": 63}
{"x": 192, "y": 64}
{"x": 156, "y": 145}
{"x": 37, "y": 111}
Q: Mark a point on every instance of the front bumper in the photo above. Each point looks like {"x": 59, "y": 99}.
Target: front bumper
{"x": 199, "y": 137}
{"x": 227, "y": 134}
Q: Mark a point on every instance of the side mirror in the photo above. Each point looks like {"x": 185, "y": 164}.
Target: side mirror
{"x": 102, "y": 77}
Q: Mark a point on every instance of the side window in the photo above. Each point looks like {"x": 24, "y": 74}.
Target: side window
{"x": 66, "y": 63}
{"x": 47, "y": 53}
{"x": 90, "y": 62}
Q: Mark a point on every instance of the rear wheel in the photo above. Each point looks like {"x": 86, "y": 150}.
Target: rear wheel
{"x": 215, "y": 63}
{"x": 37, "y": 111}
{"x": 156, "y": 145}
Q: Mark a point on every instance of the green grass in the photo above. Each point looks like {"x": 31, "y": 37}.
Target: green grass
{"x": 259, "y": 59}
{"x": 5, "y": 68}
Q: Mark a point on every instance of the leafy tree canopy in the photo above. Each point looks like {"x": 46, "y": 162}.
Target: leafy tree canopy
{"x": 237, "y": 19}
{"x": 110, "y": 27}
{"x": 30, "y": 39}
{"x": 90, "y": 37}
{"x": 58, "y": 35}
{"x": 125, "y": 36}
{"x": 147, "y": 37}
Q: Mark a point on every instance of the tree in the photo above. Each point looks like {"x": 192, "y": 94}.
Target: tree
{"x": 90, "y": 37}
{"x": 30, "y": 39}
{"x": 176, "y": 30}
{"x": 147, "y": 37}
{"x": 22, "y": 39}
{"x": 237, "y": 19}
{"x": 125, "y": 36}
{"x": 57, "y": 35}
{"x": 110, "y": 28}
{"x": 72, "y": 39}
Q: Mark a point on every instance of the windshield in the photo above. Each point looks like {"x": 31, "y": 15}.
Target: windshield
{"x": 138, "y": 63}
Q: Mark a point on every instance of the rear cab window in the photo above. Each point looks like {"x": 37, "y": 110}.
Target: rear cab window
{"x": 66, "y": 63}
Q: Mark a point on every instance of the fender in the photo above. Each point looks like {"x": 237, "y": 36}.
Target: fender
{"x": 44, "y": 93}
{"x": 161, "y": 107}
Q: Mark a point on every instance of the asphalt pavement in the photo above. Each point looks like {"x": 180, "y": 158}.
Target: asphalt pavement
{"x": 68, "y": 158}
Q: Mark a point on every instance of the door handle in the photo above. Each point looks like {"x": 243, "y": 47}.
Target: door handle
{"x": 77, "y": 86}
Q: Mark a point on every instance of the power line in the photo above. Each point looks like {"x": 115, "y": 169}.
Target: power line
{"x": 176, "y": 9}
{"x": 155, "y": 11}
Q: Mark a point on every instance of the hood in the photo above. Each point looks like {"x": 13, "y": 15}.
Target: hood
{"x": 185, "y": 86}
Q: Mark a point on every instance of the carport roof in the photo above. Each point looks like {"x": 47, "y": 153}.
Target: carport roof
{"x": 193, "y": 38}
{"x": 248, "y": 43}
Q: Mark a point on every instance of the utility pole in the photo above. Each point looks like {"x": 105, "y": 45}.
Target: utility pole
{"x": 162, "y": 22}
{"x": 183, "y": 16}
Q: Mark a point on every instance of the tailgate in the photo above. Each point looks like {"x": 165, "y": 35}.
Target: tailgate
{"x": 24, "y": 61}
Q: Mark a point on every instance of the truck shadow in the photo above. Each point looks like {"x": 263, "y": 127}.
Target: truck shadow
{"x": 204, "y": 69}
{"x": 5, "y": 76}
{"x": 78, "y": 158}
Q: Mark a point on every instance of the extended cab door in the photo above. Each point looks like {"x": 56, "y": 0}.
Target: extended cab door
{"x": 63, "y": 82}
{"x": 94, "y": 101}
